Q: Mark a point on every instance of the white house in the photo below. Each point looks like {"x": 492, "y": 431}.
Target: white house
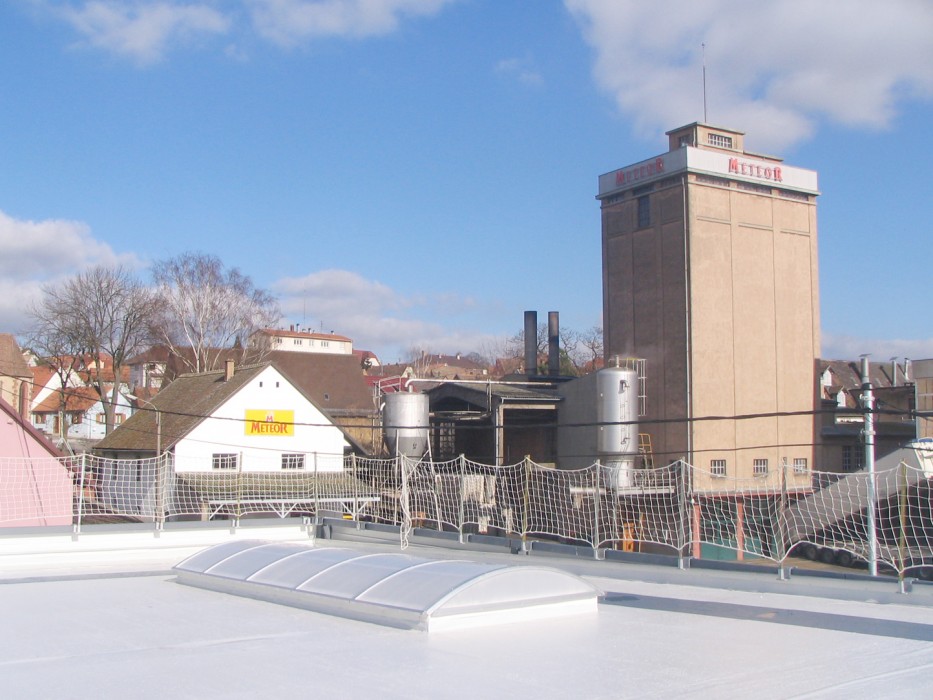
{"x": 250, "y": 419}
{"x": 297, "y": 340}
{"x": 229, "y": 443}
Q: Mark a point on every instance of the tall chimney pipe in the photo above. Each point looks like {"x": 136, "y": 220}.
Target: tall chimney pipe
{"x": 531, "y": 343}
{"x": 553, "y": 344}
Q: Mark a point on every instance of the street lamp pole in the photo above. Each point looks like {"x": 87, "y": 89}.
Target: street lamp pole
{"x": 158, "y": 417}
{"x": 160, "y": 511}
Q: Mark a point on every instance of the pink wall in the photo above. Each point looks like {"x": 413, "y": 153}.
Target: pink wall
{"x": 35, "y": 489}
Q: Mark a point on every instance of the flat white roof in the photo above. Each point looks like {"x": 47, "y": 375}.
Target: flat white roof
{"x": 111, "y": 622}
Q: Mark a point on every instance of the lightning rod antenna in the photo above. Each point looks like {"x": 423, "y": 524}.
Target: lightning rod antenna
{"x": 703, "y": 46}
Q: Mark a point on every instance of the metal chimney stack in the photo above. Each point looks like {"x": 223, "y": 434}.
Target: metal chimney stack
{"x": 531, "y": 343}
{"x": 553, "y": 344}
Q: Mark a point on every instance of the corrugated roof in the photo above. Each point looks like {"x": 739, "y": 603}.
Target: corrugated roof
{"x": 499, "y": 390}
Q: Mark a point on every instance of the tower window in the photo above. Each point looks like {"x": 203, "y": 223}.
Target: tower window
{"x": 720, "y": 141}
{"x": 644, "y": 212}
{"x": 717, "y": 467}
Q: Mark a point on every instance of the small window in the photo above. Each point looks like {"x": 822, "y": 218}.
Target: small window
{"x": 717, "y": 467}
{"x": 800, "y": 465}
{"x": 644, "y": 212}
{"x": 852, "y": 458}
{"x": 720, "y": 141}
{"x": 760, "y": 467}
{"x": 224, "y": 460}
{"x": 293, "y": 461}
{"x": 298, "y": 341}
{"x": 685, "y": 140}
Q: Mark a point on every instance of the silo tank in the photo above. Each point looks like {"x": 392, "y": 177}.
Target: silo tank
{"x": 405, "y": 424}
{"x": 617, "y": 412}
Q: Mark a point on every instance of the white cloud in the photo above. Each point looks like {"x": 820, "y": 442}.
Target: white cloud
{"x": 377, "y": 317}
{"x": 143, "y": 31}
{"x": 33, "y": 253}
{"x": 775, "y": 69}
{"x": 287, "y": 22}
{"x": 847, "y": 347}
{"x": 521, "y": 69}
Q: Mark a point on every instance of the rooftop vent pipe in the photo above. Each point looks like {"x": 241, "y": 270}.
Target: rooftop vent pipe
{"x": 228, "y": 370}
{"x": 553, "y": 344}
{"x": 531, "y": 343}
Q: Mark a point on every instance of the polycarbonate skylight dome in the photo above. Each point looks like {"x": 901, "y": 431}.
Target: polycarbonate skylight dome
{"x": 391, "y": 589}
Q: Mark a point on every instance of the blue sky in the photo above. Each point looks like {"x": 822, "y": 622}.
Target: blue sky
{"x": 417, "y": 173}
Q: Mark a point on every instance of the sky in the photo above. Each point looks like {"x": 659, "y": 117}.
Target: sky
{"x": 418, "y": 173}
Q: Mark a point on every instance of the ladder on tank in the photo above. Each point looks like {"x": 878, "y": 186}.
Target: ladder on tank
{"x": 644, "y": 449}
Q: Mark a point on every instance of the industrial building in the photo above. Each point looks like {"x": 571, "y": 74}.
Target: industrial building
{"x": 710, "y": 276}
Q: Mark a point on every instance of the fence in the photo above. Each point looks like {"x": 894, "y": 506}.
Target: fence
{"x": 601, "y": 507}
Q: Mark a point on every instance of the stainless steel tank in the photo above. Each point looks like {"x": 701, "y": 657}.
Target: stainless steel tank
{"x": 405, "y": 424}
{"x": 617, "y": 413}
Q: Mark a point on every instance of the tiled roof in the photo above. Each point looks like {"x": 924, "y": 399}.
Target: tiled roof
{"x": 157, "y": 353}
{"x": 334, "y": 382}
{"x": 183, "y": 404}
{"x": 77, "y": 400}
{"x": 191, "y": 398}
{"x": 41, "y": 375}
{"x": 12, "y": 363}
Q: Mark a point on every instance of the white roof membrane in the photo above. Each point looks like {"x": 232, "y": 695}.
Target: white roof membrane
{"x": 388, "y": 588}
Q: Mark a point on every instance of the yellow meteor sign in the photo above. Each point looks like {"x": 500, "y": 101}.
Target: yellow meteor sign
{"x": 267, "y": 422}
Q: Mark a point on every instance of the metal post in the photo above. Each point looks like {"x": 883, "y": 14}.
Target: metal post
{"x": 317, "y": 491}
{"x": 780, "y": 540}
{"x": 596, "y": 506}
{"x": 356, "y": 495}
{"x": 694, "y": 512}
{"x": 77, "y": 525}
{"x": 903, "y": 504}
{"x": 868, "y": 404}
{"x": 526, "y": 498}
{"x": 160, "y": 492}
{"x": 239, "y": 490}
{"x": 462, "y": 460}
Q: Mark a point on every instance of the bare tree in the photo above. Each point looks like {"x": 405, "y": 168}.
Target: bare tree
{"x": 592, "y": 341}
{"x": 62, "y": 353}
{"x": 204, "y": 310}
{"x": 102, "y": 312}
